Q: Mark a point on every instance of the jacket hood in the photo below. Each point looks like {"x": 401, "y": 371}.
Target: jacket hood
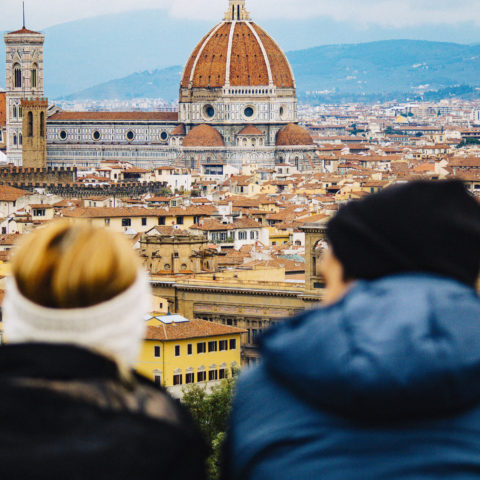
{"x": 400, "y": 347}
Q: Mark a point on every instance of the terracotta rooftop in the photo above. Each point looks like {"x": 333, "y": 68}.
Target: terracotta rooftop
{"x": 115, "y": 116}
{"x": 106, "y": 212}
{"x": 9, "y": 239}
{"x": 250, "y": 130}
{"x": 203, "y": 136}
{"x": 293, "y": 134}
{"x": 253, "y": 51}
{"x": 191, "y": 329}
{"x": 10, "y": 194}
{"x": 24, "y": 31}
{"x": 178, "y": 130}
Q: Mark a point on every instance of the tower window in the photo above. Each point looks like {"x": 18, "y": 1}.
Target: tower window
{"x": 34, "y": 76}
{"x": 15, "y": 139}
{"x": 14, "y": 111}
{"x": 30, "y": 125}
{"x": 42, "y": 124}
{"x": 17, "y": 76}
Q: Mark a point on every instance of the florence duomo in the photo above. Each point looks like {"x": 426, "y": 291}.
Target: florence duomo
{"x": 237, "y": 107}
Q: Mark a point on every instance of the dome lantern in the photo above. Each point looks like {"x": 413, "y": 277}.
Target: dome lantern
{"x": 237, "y": 11}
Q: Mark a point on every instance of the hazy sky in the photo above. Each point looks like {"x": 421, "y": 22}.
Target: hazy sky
{"x": 383, "y": 13}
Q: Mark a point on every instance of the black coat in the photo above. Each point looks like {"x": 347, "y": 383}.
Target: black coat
{"x": 65, "y": 413}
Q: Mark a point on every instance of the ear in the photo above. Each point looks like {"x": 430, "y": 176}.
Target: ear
{"x": 333, "y": 272}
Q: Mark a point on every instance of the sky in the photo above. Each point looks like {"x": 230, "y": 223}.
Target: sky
{"x": 386, "y": 14}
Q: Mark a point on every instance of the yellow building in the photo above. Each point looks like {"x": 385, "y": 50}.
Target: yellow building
{"x": 177, "y": 351}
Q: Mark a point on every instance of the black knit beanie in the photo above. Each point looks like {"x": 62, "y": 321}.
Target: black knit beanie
{"x": 416, "y": 227}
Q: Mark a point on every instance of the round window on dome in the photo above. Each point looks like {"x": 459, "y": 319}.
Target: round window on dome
{"x": 209, "y": 111}
{"x": 248, "y": 112}
{"x": 164, "y": 136}
{"x": 130, "y": 135}
{"x": 63, "y": 135}
{"x": 96, "y": 135}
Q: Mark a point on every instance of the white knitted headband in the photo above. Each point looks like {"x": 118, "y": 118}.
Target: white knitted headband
{"x": 116, "y": 327}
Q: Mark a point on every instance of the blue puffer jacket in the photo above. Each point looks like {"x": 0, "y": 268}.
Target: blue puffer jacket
{"x": 383, "y": 385}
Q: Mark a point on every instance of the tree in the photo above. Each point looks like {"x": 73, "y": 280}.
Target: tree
{"x": 211, "y": 412}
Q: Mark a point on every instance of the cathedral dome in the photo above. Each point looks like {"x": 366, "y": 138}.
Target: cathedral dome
{"x": 237, "y": 53}
{"x": 293, "y": 135}
{"x": 203, "y": 136}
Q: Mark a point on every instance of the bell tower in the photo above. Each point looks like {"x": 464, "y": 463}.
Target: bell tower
{"x": 24, "y": 79}
{"x": 34, "y": 130}
{"x": 237, "y": 12}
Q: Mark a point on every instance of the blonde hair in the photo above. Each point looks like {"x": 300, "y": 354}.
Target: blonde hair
{"x": 65, "y": 265}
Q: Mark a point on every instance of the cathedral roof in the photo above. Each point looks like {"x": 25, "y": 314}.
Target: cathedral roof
{"x": 178, "y": 130}
{"x": 24, "y": 31}
{"x": 237, "y": 53}
{"x": 115, "y": 116}
{"x": 293, "y": 134}
{"x": 250, "y": 130}
{"x": 203, "y": 136}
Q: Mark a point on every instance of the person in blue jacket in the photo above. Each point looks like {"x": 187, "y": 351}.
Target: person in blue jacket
{"x": 383, "y": 382}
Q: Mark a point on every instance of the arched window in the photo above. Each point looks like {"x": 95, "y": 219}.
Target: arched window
{"x": 17, "y": 76}
{"x": 233, "y": 12}
{"x": 42, "y": 124}
{"x": 238, "y": 12}
{"x": 14, "y": 111}
{"x": 20, "y": 112}
{"x": 30, "y": 125}
{"x": 15, "y": 139}
{"x": 21, "y": 139}
{"x": 34, "y": 75}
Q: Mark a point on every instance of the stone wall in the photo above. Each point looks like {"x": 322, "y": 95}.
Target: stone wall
{"x": 17, "y": 175}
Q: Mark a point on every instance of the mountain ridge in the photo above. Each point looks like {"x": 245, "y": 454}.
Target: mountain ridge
{"x": 374, "y": 70}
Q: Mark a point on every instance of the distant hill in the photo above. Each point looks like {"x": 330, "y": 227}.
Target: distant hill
{"x": 377, "y": 70}
{"x": 380, "y": 69}
{"x": 149, "y": 84}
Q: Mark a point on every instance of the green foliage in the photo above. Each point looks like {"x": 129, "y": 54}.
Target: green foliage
{"x": 211, "y": 412}
{"x": 468, "y": 141}
{"x": 164, "y": 192}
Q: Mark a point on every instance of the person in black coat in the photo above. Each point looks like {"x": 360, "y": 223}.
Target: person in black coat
{"x": 70, "y": 404}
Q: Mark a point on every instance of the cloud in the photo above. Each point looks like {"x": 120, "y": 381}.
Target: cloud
{"x": 385, "y": 13}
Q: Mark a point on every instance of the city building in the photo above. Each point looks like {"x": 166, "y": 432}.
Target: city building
{"x": 178, "y": 352}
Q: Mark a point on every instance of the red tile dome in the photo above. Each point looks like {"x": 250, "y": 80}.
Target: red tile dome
{"x": 203, "y": 136}
{"x": 237, "y": 54}
{"x": 292, "y": 135}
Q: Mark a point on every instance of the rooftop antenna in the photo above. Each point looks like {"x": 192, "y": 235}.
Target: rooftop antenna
{"x": 23, "y": 14}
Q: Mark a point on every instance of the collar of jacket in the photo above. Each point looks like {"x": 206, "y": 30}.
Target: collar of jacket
{"x": 55, "y": 362}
